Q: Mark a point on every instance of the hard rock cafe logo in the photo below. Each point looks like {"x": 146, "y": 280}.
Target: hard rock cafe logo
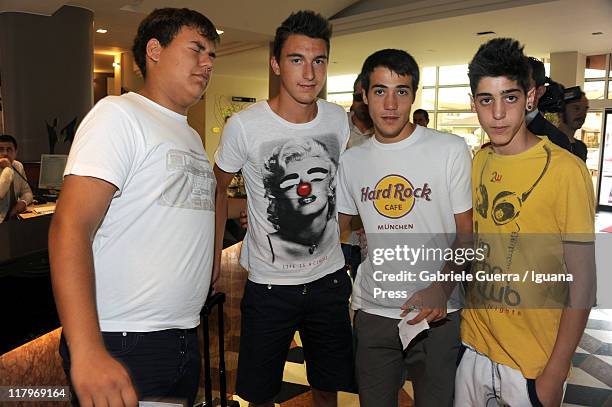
{"x": 394, "y": 196}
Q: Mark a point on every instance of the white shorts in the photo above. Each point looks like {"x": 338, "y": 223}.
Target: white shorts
{"x": 481, "y": 382}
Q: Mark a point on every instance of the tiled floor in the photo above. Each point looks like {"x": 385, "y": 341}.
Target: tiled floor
{"x": 590, "y": 383}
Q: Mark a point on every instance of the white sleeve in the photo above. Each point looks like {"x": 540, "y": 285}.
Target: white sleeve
{"x": 6, "y": 178}
{"x": 22, "y": 188}
{"x": 231, "y": 155}
{"x": 460, "y": 179}
{"x": 344, "y": 200}
{"x": 346, "y": 132}
{"x": 104, "y": 146}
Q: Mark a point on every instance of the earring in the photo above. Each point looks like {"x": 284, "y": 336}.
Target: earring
{"x": 529, "y": 107}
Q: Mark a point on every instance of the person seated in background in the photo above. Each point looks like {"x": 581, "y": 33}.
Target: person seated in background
{"x": 420, "y": 117}
{"x": 573, "y": 116}
{"x": 15, "y": 193}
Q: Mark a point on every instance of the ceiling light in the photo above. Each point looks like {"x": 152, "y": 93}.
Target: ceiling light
{"x": 485, "y": 32}
{"x": 101, "y": 31}
{"x": 220, "y": 32}
{"x": 116, "y": 64}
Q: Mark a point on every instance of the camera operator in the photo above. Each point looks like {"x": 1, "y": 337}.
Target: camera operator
{"x": 536, "y": 122}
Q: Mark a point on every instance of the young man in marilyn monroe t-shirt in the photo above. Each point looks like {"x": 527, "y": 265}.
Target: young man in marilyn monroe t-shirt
{"x": 414, "y": 189}
{"x": 288, "y": 150}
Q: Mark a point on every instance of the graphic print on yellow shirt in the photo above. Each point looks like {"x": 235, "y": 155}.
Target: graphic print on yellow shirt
{"x": 525, "y": 206}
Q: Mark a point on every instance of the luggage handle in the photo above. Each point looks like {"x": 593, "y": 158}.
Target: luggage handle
{"x": 215, "y": 299}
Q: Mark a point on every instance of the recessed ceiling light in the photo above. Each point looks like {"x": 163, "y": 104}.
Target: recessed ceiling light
{"x": 485, "y": 32}
{"x": 220, "y": 32}
{"x": 101, "y": 31}
{"x": 597, "y": 33}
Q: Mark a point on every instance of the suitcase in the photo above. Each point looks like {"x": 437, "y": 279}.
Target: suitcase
{"x": 215, "y": 299}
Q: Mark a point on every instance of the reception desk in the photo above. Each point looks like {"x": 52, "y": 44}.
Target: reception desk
{"x": 30, "y": 333}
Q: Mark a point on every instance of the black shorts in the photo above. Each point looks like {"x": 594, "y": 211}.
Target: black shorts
{"x": 163, "y": 365}
{"x": 270, "y": 316}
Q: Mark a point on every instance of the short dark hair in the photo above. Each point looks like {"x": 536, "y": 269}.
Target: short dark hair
{"x": 304, "y": 22}
{"x": 396, "y": 60}
{"x": 538, "y": 72}
{"x": 163, "y": 24}
{"x": 358, "y": 80}
{"x": 423, "y": 112}
{"x": 499, "y": 57}
{"x": 7, "y": 138}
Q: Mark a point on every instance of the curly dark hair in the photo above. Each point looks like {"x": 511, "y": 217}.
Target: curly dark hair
{"x": 163, "y": 24}
{"x": 499, "y": 57}
{"x": 275, "y": 167}
{"x": 304, "y": 22}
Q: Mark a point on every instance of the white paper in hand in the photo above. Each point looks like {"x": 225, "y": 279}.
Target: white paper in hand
{"x": 408, "y": 332}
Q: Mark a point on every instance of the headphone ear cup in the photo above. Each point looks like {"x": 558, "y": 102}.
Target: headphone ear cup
{"x": 482, "y": 201}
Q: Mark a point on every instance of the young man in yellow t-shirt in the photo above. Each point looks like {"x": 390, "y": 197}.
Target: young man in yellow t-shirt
{"x": 534, "y": 220}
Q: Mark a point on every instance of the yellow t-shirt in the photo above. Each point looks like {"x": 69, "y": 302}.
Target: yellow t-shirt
{"x": 525, "y": 206}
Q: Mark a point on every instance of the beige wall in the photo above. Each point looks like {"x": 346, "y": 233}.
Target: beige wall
{"x": 219, "y": 94}
{"x": 567, "y": 68}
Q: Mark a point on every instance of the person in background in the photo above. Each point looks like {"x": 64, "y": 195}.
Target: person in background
{"x": 536, "y": 122}
{"x": 131, "y": 272}
{"x": 360, "y": 122}
{"x": 420, "y": 117}
{"x": 572, "y": 118}
{"x": 15, "y": 192}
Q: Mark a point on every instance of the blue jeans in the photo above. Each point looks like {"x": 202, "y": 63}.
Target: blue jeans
{"x": 162, "y": 364}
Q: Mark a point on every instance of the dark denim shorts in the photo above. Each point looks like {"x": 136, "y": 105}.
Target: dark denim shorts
{"x": 162, "y": 364}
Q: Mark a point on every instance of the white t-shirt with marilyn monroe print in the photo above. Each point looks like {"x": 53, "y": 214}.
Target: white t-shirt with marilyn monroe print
{"x": 290, "y": 176}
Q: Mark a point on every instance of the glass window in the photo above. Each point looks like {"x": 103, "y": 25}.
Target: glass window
{"x": 594, "y": 90}
{"x": 605, "y": 191}
{"x": 428, "y": 99}
{"x": 453, "y": 75}
{"x": 343, "y": 99}
{"x": 595, "y": 66}
{"x": 428, "y": 76}
{"x": 341, "y": 83}
{"x": 590, "y": 134}
{"x": 454, "y": 98}
{"x": 462, "y": 124}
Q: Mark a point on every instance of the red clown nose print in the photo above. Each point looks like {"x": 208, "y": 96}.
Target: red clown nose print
{"x": 304, "y": 189}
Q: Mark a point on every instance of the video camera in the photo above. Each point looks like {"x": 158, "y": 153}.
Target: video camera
{"x": 556, "y": 96}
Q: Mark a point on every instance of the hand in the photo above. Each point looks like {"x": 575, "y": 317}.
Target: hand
{"x": 5, "y": 162}
{"x": 100, "y": 380}
{"x": 363, "y": 242}
{"x": 19, "y": 207}
{"x": 549, "y": 390}
{"x": 431, "y": 302}
{"x": 244, "y": 221}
